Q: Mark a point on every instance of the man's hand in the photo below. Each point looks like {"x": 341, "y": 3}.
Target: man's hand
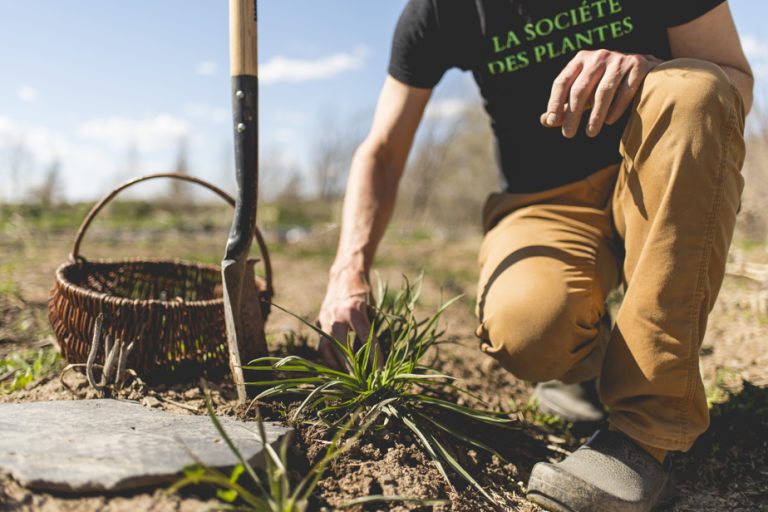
{"x": 344, "y": 308}
{"x": 602, "y": 80}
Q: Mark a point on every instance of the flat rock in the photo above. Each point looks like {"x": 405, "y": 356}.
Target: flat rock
{"x": 110, "y": 445}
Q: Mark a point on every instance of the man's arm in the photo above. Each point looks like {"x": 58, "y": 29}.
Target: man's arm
{"x": 368, "y": 204}
{"x": 714, "y": 38}
{"x": 607, "y": 81}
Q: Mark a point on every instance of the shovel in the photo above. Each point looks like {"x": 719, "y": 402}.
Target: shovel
{"x": 244, "y": 321}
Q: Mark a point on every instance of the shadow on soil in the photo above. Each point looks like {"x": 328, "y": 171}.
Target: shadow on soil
{"x": 731, "y": 458}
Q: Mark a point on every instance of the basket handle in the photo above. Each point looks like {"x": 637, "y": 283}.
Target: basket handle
{"x": 75, "y": 254}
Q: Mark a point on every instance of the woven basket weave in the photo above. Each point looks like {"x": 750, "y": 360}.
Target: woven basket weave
{"x": 172, "y": 310}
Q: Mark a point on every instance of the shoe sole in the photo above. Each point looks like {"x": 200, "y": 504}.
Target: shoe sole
{"x": 548, "y": 503}
{"x": 540, "y": 490}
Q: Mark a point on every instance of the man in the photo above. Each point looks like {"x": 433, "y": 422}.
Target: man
{"x": 619, "y": 131}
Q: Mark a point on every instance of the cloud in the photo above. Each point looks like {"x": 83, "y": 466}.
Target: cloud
{"x": 446, "y": 109}
{"x": 85, "y": 168}
{"x": 284, "y": 135}
{"x": 206, "y": 68}
{"x": 207, "y": 113}
{"x": 295, "y": 118}
{"x": 40, "y": 144}
{"x": 28, "y": 94}
{"x": 280, "y": 69}
{"x": 151, "y": 134}
{"x": 755, "y": 48}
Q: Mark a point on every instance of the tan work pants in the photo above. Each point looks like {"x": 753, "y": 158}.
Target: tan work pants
{"x": 660, "y": 223}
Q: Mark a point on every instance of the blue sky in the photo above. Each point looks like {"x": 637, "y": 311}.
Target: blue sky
{"x": 109, "y": 88}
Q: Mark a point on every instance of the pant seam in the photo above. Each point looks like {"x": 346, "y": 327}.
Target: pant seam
{"x": 693, "y": 370}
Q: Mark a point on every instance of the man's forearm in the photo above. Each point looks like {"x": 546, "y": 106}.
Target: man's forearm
{"x": 368, "y": 206}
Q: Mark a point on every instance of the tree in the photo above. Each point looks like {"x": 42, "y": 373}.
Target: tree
{"x": 18, "y": 162}
{"x": 451, "y": 172}
{"x": 752, "y": 222}
{"x": 332, "y": 154}
{"x": 178, "y": 191}
{"x": 49, "y": 191}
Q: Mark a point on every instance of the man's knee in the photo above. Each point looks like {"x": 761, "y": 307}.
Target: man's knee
{"x": 539, "y": 340}
{"x": 688, "y": 86}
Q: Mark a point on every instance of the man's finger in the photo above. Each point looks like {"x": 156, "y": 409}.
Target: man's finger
{"x": 561, "y": 87}
{"x": 604, "y": 96}
{"x": 364, "y": 330}
{"x": 330, "y": 354}
{"x": 340, "y": 332}
{"x": 581, "y": 95}
{"x": 360, "y": 324}
{"x": 626, "y": 93}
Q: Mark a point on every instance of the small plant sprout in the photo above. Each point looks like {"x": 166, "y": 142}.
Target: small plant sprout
{"x": 270, "y": 490}
{"x": 20, "y": 369}
{"x": 402, "y": 389}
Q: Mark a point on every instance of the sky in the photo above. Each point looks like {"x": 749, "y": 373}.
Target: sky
{"x": 110, "y": 89}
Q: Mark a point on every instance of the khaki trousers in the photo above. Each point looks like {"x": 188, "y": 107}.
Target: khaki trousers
{"x": 660, "y": 223}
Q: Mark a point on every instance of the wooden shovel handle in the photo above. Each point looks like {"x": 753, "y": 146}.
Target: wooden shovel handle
{"x": 242, "y": 32}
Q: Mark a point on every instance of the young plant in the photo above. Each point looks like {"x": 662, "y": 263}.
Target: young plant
{"x": 400, "y": 389}
{"x": 20, "y": 369}
{"x": 274, "y": 491}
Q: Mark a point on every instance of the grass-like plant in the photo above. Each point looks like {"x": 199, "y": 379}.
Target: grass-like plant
{"x": 19, "y": 369}
{"x": 270, "y": 490}
{"x": 401, "y": 389}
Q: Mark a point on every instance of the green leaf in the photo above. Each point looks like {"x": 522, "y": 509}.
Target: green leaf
{"x": 446, "y": 455}
{"x": 228, "y": 495}
{"x": 426, "y": 443}
{"x": 484, "y": 416}
{"x": 463, "y": 437}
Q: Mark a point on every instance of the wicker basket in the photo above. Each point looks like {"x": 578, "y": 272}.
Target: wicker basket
{"x": 172, "y": 310}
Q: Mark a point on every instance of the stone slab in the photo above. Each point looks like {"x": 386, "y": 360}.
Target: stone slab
{"x": 109, "y": 445}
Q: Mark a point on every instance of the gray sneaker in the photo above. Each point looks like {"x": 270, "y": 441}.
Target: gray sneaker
{"x": 575, "y": 403}
{"x": 610, "y": 473}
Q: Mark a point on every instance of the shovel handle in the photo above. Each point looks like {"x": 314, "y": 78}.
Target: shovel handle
{"x": 242, "y": 34}
{"x": 245, "y": 110}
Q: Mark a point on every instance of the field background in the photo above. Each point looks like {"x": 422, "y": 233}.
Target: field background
{"x": 435, "y": 231}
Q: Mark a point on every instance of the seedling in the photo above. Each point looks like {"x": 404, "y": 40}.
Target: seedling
{"x": 274, "y": 491}
{"x": 22, "y": 368}
{"x": 402, "y": 389}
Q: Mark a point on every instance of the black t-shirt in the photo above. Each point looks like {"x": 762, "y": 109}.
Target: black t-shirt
{"x": 515, "y": 49}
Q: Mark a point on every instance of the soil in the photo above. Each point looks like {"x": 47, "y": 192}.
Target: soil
{"x": 726, "y": 471}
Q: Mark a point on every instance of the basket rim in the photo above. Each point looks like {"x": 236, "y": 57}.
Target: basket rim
{"x": 61, "y": 280}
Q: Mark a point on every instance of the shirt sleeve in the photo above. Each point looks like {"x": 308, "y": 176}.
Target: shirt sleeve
{"x": 418, "y": 55}
{"x": 679, "y": 12}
